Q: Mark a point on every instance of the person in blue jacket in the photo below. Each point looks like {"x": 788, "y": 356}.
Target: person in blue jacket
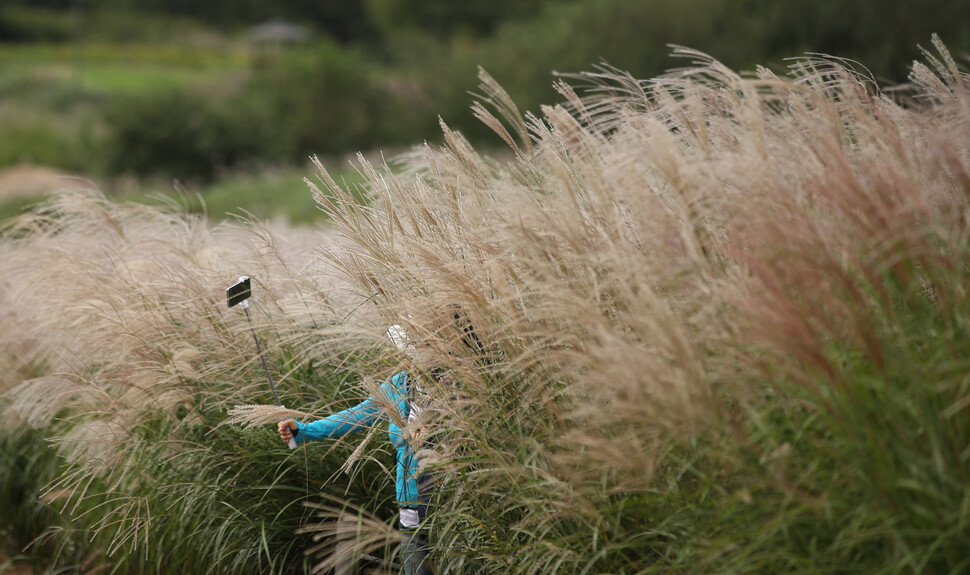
{"x": 396, "y": 401}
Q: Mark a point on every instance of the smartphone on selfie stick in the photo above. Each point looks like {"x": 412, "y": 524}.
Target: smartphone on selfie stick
{"x": 239, "y": 294}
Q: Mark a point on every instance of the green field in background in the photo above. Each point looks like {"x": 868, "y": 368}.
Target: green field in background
{"x": 112, "y": 69}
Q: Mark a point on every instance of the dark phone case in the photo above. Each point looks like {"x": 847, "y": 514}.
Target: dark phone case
{"x": 239, "y": 292}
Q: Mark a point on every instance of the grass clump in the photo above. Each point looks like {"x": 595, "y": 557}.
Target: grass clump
{"x": 117, "y": 322}
{"x": 719, "y": 326}
{"x": 723, "y": 319}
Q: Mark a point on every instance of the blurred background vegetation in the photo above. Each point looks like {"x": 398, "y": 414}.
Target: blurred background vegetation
{"x": 229, "y": 99}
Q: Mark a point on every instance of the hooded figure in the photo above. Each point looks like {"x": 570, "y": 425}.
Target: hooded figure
{"x": 394, "y": 400}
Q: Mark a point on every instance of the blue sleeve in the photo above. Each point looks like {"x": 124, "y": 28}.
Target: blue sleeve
{"x": 362, "y": 415}
{"x": 341, "y": 423}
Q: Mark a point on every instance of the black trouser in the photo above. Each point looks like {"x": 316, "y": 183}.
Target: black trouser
{"x": 414, "y": 552}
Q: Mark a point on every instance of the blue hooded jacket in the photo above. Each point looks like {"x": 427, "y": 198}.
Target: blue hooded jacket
{"x": 392, "y": 393}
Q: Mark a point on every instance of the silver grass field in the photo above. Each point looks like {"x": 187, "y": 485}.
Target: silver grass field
{"x": 724, "y": 329}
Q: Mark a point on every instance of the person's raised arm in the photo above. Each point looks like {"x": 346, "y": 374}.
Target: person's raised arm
{"x": 362, "y": 415}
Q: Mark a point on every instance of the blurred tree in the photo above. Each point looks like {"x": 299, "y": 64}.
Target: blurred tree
{"x": 446, "y": 18}
{"x": 44, "y": 21}
{"x": 348, "y": 22}
{"x": 50, "y": 4}
{"x": 322, "y": 100}
{"x": 884, "y": 36}
{"x": 178, "y": 134}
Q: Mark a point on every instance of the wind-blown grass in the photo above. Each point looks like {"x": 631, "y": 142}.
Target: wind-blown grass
{"x": 723, "y": 316}
{"x": 720, "y": 322}
{"x": 125, "y": 359}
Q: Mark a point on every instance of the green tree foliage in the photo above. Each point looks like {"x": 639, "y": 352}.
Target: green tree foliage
{"x": 884, "y": 35}
{"x": 345, "y": 21}
{"x": 881, "y": 35}
{"x": 320, "y": 100}
{"x": 443, "y": 18}
{"x": 178, "y": 134}
{"x": 21, "y": 24}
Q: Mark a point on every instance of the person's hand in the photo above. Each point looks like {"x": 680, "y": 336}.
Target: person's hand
{"x": 287, "y": 427}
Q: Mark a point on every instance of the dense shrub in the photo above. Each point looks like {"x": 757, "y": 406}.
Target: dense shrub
{"x": 327, "y": 99}
{"x": 181, "y": 134}
{"x": 41, "y": 140}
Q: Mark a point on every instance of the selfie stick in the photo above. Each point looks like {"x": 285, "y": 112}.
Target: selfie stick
{"x": 245, "y": 305}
